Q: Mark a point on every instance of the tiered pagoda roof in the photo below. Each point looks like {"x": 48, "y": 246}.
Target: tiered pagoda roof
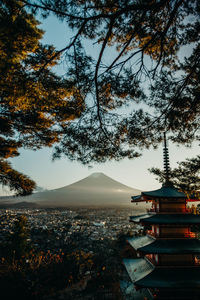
{"x": 147, "y": 244}
{"x": 181, "y": 219}
{"x": 145, "y": 275}
{"x": 163, "y": 192}
{"x": 167, "y": 253}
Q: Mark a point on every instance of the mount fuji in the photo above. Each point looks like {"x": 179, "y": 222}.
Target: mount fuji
{"x": 96, "y": 190}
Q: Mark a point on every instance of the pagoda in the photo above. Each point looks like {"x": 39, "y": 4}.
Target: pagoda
{"x": 167, "y": 264}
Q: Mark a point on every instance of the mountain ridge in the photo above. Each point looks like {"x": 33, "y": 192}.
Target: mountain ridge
{"x": 106, "y": 182}
{"x": 96, "y": 189}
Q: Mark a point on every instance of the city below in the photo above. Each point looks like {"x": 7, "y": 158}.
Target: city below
{"x": 52, "y": 229}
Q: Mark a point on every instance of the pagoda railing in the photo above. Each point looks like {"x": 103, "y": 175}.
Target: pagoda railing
{"x": 196, "y": 262}
{"x": 169, "y": 210}
{"x": 173, "y": 235}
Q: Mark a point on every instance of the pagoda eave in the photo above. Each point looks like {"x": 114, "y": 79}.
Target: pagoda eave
{"x": 145, "y": 275}
{"x": 137, "y": 219}
{"x": 146, "y": 245}
{"x": 141, "y": 198}
{"x": 174, "y": 277}
{"x": 149, "y": 198}
{"x": 165, "y": 219}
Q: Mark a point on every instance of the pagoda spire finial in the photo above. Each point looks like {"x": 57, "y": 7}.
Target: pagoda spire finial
{"x": 166, "y": 162}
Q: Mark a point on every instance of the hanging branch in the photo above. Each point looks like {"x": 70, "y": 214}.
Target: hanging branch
{"x": 97, "y": 69}
{"x": 58, "y": 53}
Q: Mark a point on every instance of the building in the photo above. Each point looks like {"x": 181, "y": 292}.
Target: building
{"x": 167, "y": 264}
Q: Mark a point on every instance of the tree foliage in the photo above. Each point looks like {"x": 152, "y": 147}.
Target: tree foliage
{"x": 19, "y": 238}
{"x": 109, "y": 105}
{"x": 32, "y": 101}
{"x": 186, "y": 176}
{"x": 145, "y": 39}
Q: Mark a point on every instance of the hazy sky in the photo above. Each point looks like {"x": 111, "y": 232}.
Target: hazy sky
{"x": 47, "y": 174}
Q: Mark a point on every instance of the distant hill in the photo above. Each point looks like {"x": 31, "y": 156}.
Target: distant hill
{"x": 94, "y": 190}
{"x": 22, "y": 204}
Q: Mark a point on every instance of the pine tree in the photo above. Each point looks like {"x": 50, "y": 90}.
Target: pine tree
{"x": 186, "y": 176}
{"x": 145, "y": 38}
{"x": 32, "y": 101}
{"x": 92, "y": 114}
{"x": 19, "y": 239}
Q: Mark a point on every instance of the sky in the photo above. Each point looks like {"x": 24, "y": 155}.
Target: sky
{"x": 38, "y": 165}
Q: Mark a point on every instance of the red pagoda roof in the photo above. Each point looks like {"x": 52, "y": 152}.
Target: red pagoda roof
{"x": 143, "y": 274}
{"x": 183, "y": 219}
{"x": 149, "y": 245}
{"x": 163, "y": 192}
